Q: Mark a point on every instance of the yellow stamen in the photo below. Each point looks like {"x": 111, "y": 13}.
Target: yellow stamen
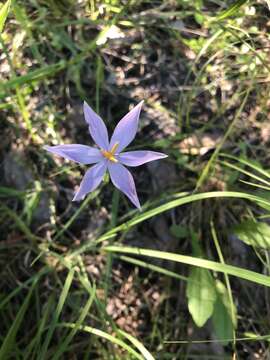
{"x": 110, "y": 154}
{"x": 114, "y": 148}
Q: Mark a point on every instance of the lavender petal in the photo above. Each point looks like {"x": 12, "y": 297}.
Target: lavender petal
{"x": 123, "y": 180}
{"x": 91, "y": 180}
{"x": 137, "y": 158}
{"x": 126, "y": 129}
{"x": 81, "y": 154}
{"x": 97, "y": 128}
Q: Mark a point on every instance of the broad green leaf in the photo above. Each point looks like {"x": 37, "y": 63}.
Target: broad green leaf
{"x": 202, "y": 297}
{"x": 224, "y": 316}
{"x": 254, "y": 233}
{"x": 3, "y": 14}
{"x": 239, "y": 272}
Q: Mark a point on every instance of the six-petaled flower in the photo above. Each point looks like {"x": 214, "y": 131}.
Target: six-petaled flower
{"x": 108, "y": 155}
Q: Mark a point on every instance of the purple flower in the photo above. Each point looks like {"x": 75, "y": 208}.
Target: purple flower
{"x": 108, "y": 155}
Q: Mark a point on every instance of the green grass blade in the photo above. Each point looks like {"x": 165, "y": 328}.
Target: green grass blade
{"x": 189, "y": 260}
{"x": 86, "y": 201}
{"x": 9, "y": 340}
{"x": 256, "y": 185}
{"x": 231, "y": 10}
{"x": 248, "y": 173}
{"x": 207, "y": 168}
{"x": 35, "y": 343}
{"x": 168, "y": 206}
{"x": 64, "y": 345}
{"x": 106, "y": 336}
{"x": 247, "y": 163}
{"x": 22, "y": 286}
{"x": 57, "y": 313}
{"x": 152, "y": 267}
{"x": 19, "y": 223}
{"x": 182, "y": 201}
{"x": 138, "y": 345}
{"x": 34, "y": 75}
{"x": 10, "y": 192}
{"x": 4, "y": 14}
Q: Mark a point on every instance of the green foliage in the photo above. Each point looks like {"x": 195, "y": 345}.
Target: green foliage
{"x": 179, "y": 231}
{"x": 232, "y": 10}
{"x": 194, "y": 261}
{"x": 201, "y": 294}
{"x": 254, "y": 233}
{"x": 224, "y": 315}
{"x": 9, "y": 340}
{"x": 202, "y": 66}
{"x": 4, "y": 10}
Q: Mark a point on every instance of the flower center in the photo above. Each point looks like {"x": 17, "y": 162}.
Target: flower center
{"x": 110, "y": 154}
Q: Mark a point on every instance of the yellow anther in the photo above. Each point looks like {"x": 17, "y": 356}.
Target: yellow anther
{"x": 114, "y": 148}
{"x": 108, "y": 155}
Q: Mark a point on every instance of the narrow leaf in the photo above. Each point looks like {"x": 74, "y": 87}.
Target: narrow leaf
{"x": 138, "y": 345}
{"x": 231, "y": 10}
{"x": 3, "y": 14}
{"x": 114, "y": 340}
{"x": 57, "y": 313}
{"x": 206, "y": 264}
{"x": 10, "y": 338}
{"x": 85, "y": 311}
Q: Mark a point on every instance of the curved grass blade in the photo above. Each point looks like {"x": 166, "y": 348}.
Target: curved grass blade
{"x": 24, "y": 285}
{"x": 138, "y": 345}
{"x": 33, "y": 347}
{"x": 256, "y": 185}
{"x": 106, "y": 336}
{"x": 189, "y": 260}
{"x": 247, "y": 163}
{"x": 248, "y": 173}
{"x": 182, "y": 201}
{"x": 64, "y": 345}
{"x": 57, "y": 313}
{"x": 168, "y": 206}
